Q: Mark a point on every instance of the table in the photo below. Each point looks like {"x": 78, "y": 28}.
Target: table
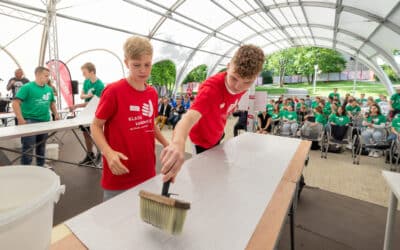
{"x": 240, "y": 191}
{"x": 393, "y": 180}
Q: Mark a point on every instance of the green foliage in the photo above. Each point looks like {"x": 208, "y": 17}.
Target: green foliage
{"x": 163, "y": 73}
{"x": 396, "y": 52}
{"x": 198, "y": 74}
{"x": 301, "y": 60}
{"x": 267, "y": 77}
{"x": 390, "y": 73}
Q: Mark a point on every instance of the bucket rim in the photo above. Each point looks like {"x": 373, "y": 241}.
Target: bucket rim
{"x": 41, "y": 199}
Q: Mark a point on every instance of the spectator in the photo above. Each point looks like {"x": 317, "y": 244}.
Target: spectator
{"x": 395, "y": 102}
{"x": 335, "y": 94}
{"x": 308, "y": 101}
{"x": 374, "y": 132}
{"x": 176, "y": 113}
{"x": 362, "y": 101}
{"x": 241, "y": 122}
{"x": 15, "y": 83}
{"x": 352, "y": 109}
{"x": 31, "y": 105}
{"x": 164, "y": 113}
{"x": 264, "y": 122}
{"x": 290, "y": 124}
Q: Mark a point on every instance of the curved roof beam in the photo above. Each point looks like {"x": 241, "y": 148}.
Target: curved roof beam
{"x": 99, "y": 49}
{"x": 11, "y": 56}
{"x": 386, "y": 56}
{"x": 338, "y": 11}
{"x": 337, "y": 5}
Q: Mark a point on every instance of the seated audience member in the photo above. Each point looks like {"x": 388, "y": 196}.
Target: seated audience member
{"x": 163, "y": 113}
{"x": 301, "y": 114}
{"x": 362, "y": 101}
{"x": 264, "y": 122}
{"x": 186, "y": 102}
{"x": 339, "y": 123}
{"x": 176, "y": 113}
{"x": 289, "y": 119}
{"x": 241, "y": 122}
{"x": 270, "y": 106}
{"x": 353, "y": 109}
{"x": 374, "y": 128}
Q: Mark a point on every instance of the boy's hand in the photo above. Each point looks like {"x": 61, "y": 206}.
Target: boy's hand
{"x": 171, "y": 161}
{"x": 114, "y": 163}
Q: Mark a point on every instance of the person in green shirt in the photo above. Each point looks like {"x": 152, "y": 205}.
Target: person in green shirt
{"x": 270, "y": 106}
{"x": 92, "y": 86}
{"x": 315, "y": 103}
{"x": 290, "y": 124}
{"x": 301, "y": 103}
{"x": 339, "y": 118}
{"x": 395, "y": 128}
{"x": 375, "y": 124}
{"x": 334, "y": 94}
{"x": 362, "y": 101}
{"x": 352, "y": 108}
{"x": 31, "y": 105}
{"x": 395, "y": 102}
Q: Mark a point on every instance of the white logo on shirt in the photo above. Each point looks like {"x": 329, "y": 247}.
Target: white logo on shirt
{"x": 232, "y": 106}
{"x": 222, "y": 105}
{"x": 134, "y": 108}
{"x": 147, "y": 109}
{"x": 46, "y": 97}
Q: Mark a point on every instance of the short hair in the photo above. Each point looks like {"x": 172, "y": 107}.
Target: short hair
{"x": 40, "y": 69}
{"x": 89, "y": 66}
{"x": 248, "y": 61}
{"x": 135, "y": 47}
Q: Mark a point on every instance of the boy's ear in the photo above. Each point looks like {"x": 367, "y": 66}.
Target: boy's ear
{"x": 227, "y": 66}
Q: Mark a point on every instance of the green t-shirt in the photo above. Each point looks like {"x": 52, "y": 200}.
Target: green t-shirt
{"x": 362, "y": 101}
{"x": 332, "y": 95}
{"x": 353, "y": 110}
{"x": 395, "y": 101}
{"x": 339, "y": 120}
{"x": 327, "y": 110}
{"x": 275, "y": 116}
{"x": 36, "y": 101}
{"x": 93, "y": 87}
{"x": 290, "y": 115}
{"x": 314, "y": 104}
{"x": 320, "y": 118}
{"x": 298, "y": 105}
{"x": 270, "y": 108}
{"x": 377, "y": 119}
{"x": 396, "y": 123}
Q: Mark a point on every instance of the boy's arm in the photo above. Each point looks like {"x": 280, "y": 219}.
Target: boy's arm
{"x": 113, "y": 157}
{"x": 159, "y": 136}
{"x": 172, "y": 156}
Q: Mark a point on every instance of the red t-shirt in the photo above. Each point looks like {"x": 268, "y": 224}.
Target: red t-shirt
{"x": 214, "y": 103}
{"x": 129, "y": 129}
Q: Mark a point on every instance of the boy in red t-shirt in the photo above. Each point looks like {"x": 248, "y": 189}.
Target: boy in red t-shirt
{"x": 204, "y": 122}
{"x": 123, "y": 126}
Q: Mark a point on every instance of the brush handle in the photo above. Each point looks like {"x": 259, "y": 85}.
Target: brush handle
{"x": 165, "y": 188}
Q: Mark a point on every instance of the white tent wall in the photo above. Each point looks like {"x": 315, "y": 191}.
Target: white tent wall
{"x": 191, "y": 33}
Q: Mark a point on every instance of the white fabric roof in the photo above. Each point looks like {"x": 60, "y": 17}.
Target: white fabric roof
{"x": 196, "y": 32}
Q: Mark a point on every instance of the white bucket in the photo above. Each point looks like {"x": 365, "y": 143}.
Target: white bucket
{"x": 27, "y": 197}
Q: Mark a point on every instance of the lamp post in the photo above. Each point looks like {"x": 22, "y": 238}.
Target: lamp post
{"x": 315, "y": 77}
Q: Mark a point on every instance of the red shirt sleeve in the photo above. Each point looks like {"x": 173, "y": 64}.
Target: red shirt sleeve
{"x": 107, "y": 105}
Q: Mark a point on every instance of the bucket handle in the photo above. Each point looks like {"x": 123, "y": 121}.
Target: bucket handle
{"x": 59, "y": 192}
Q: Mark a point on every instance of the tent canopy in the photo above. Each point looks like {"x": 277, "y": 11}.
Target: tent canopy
{"x": 192, "y": 32}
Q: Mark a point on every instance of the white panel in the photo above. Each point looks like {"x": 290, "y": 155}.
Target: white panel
{"x": 381, "y": 9}
{"x": 368, "y": 50}
{"x": 128, "y": 17}
{"x": 215, "y": 15}
{"x": 349, "y": 40}
{"x": 298, "y": 12}
{"x": 238, "y": 30}
{"x": 395, "y": 17}
{"x": 268, "y": 2}
{"x": 262, "y": 20}
{"x": 322, "y": 32}
{"x": 328, "y": 1}
{"x": 346, "y": 49}
{"x": 323, "y": 43}
{"x": 179, "y": 33}
{"x": 299, "y": 31}
{"x": 257, "y": 40}
{"x": 274, "y": 35}
{"x": 277, "y": 14}
{"x": 235, "y": 7}
{"x": 291, "y": 32}
{"x": 250, "y": 21}
{"x": 289, "y": 15}
{"x": 304, "y": 41}
{"x": 7, "y": 71}
{"x": 319, "y": 15}
{"x": 216, "y": 45}
{"x": 270, "y": 49}
{"x": 386, "y": 39}
{"x": 306, "y": 31}
{"x": 11, "y": 28}
{"x": 356, "y": 24}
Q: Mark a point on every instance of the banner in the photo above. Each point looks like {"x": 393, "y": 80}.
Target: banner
{"x": 64, "y": 85}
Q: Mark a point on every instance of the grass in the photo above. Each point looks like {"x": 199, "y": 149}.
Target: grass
{"x": 324, "y": 88}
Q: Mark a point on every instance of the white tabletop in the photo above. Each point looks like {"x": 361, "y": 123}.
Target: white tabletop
{"x": 84, "y": 118}
{"x": 229, "y": 188}
{"x": 393, "y": 180}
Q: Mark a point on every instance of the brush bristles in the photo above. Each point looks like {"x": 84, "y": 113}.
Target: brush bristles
{"x": 165, "y": 217}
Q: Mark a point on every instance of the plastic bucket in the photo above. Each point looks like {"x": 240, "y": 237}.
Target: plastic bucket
{"x": 27, "y": 197}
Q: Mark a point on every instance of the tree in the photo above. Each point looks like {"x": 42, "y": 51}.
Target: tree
{"x": 198, "y": 74}
{"x": 163, "y": 73}
{"x": 301, "y": 60}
